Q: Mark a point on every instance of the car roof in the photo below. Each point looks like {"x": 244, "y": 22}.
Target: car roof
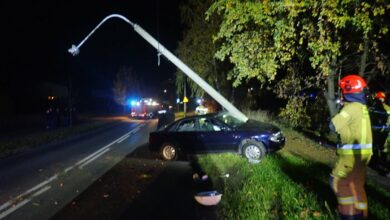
{"x": 209, "y": 115}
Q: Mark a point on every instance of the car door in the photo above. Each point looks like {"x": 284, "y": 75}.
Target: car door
{"x": 185, "y": 134}
{"x": 215, "y": 137}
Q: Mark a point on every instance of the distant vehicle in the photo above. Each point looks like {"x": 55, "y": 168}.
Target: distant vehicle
{"x": 144, "y": 108}
{"x": 214, "y": 133}
{"x": 201, "y": 110}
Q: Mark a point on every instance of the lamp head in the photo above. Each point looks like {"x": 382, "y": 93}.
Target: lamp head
{"x": 74, "y": 50}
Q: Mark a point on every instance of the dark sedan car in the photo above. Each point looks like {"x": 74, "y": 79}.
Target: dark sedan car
{"x": 214, "y": 133}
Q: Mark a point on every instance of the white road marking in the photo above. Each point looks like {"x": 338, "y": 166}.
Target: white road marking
{"x": 108, "y": 145}
{"x": 95, "y": 153}
{"x": 103, "y": 148}
{"x": 41, "y": 191}
{"x": 68, "y": 169}
{"x": 124, "y": 138}
{"x": 40, "y": 185}
{"x": 35, "y": 188}
{"x": 93, "y": 158}
{"x": 5, "y": 205}
{"x": 13, "y": 208}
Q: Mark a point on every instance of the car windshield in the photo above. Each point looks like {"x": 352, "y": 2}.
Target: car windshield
{"x": 229, "y": 119}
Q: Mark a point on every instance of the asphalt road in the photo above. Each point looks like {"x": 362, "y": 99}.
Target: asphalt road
{"x": 39, "y": 183}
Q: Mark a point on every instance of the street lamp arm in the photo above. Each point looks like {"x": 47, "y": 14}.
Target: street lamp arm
{"x": 191, "y": 74}
{"x": 74, "y": 50}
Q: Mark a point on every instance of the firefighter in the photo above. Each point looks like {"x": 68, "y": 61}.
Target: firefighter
{"x": 381, "y": 121}
{"x": 353, "y": 125}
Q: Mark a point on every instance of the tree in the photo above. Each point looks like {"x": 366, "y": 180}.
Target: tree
{"x": 197, "y": 49}
{"x": 292, "y": 45}
{"x": 125, "y": 85}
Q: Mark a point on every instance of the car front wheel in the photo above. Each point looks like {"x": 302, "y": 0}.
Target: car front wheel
{"x": 169, "y": 152}
{"x": 254, "y": 151}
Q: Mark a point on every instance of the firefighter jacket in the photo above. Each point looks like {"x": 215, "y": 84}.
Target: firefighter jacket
{"x": 353, "y": 125}
{"x": 387, "y": 109}
{"x": 379, "y": 114}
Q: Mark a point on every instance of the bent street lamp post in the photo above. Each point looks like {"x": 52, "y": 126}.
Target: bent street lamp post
{"x": 74, "y": 50}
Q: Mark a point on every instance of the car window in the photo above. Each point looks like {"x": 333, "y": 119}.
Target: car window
{"x": 229, "y": 119}
{"x": 188, "y": 125}
{"x": 206, "y": 124}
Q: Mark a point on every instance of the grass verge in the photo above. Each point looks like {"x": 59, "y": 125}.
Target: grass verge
{"x": 263, "y": 191}
{"x": 282, "y": 186}
{"x": 292, "y": 184}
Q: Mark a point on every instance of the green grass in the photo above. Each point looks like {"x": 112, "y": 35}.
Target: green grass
{"x": 292, "y": 184}
{"x": 282, "y": 186}
{"x": 265, "y": 190}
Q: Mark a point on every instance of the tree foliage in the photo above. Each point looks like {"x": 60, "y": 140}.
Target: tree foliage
{"x": 125, "y": 84}
{"x": 294, "y": 44}
{"x": 261, "y": 38}
{"x": 197, "y": 48}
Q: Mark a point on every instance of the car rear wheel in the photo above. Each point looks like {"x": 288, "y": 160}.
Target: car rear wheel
{"x": 169, "y": 152}
{"x": 254, "y": 151}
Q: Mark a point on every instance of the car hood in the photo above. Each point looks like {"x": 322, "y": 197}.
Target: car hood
{"x": 253, "y": 125}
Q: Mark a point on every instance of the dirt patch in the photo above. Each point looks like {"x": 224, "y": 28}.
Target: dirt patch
{"x": 308, "y": 149}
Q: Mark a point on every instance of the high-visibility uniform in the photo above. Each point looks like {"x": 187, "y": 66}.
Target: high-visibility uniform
{"x": 387, "y": 108}
{"x": 353, "y": 125}
{"x": 387, "y": 143}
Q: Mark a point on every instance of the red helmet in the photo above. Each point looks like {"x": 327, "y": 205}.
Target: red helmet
{"x": 380, "y": 95}
{"x": 352, "y": 84}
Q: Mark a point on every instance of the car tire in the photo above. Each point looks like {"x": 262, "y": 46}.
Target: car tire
{"x": 169, "y": 152}
{"x": 254, "y": 151}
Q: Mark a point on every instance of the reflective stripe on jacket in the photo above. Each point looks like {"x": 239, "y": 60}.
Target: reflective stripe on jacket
{"x": 354, "y": 126}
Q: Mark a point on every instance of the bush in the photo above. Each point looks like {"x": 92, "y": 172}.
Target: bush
{"x": 295, "y": 113}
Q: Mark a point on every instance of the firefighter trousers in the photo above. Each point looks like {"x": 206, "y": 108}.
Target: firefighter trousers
{"x": 347, "y": 181}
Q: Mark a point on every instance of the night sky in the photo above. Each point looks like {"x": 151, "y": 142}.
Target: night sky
{"x": 37, "y": 34}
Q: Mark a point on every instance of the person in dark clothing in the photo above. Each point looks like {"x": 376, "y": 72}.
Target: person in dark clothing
{"x": 165, "y": 117}
{"x": 379, "y": 114}
{"x": 50, "y": 118}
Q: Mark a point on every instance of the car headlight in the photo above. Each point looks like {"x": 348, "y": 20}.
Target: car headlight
{"x": 276, "y": 137}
